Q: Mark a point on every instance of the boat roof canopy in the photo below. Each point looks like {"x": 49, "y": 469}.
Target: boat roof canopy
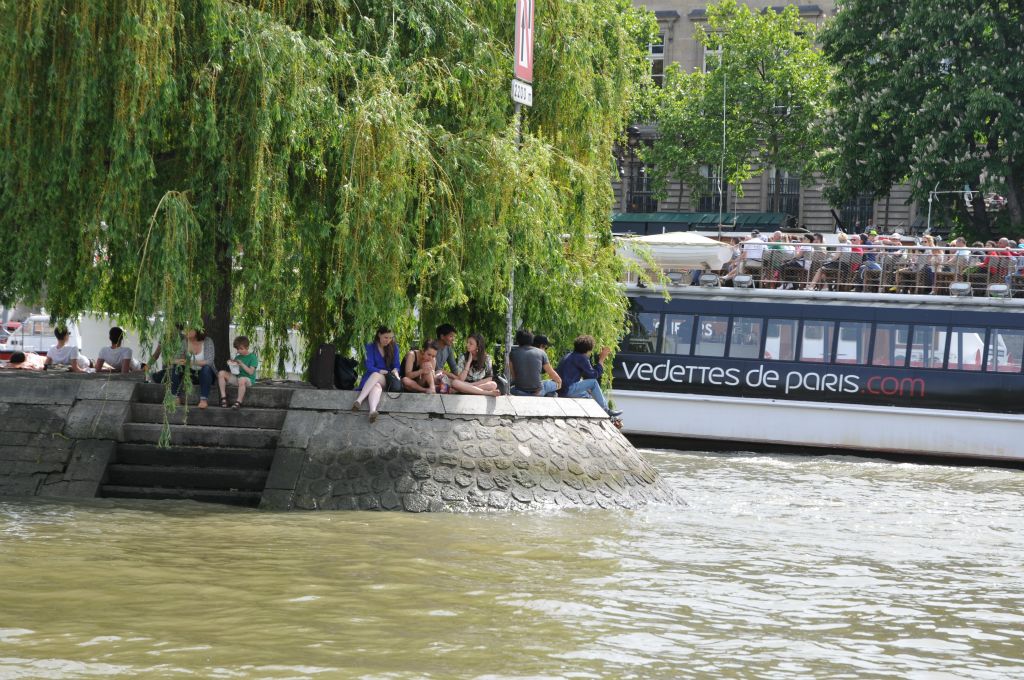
{"x": 644, "y": 224}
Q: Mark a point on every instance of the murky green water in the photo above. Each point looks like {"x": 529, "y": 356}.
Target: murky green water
{"x": 782, "y": 567}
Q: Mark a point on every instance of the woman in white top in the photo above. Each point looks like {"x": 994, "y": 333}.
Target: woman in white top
{"x": 116, "y": 357}
{"x": 199, "y": 357}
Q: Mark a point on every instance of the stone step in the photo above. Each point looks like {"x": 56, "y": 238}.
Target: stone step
{"x": 195, "y": 456}
{"x": 194, "y": 435}
{"x": 215, "y": 416}
{"x": 256, "y": 397}
{"x": 249, "y": 499}
{"x": 185, "y": 477}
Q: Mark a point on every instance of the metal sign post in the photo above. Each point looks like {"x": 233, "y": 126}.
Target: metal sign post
{"x": 522, "y": 95}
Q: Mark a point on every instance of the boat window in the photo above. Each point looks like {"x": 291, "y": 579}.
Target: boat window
{"x": 1005, "y": 349}
{"x": 890, "y": 344}
{"x": 643, "y": 332}
{"x": 817, "y": 341}
{"x": 746, "y": 338}
{"x": 966, "y": 349}
{"x": 854, "y": 340}
{"x": 928, "y": 346}
{"x": 780, "y": 342}
{"x": 711, "y": 335}
{"x": 678, "y": 334}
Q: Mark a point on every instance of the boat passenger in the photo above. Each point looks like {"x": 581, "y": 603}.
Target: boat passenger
{"x": 474, "y": 373}
{"x": 199, "y": 358}
{"x": 419, "y": 369}
{"x": 63, "y": 354}
{"x": 241, "y": 372}
{"x": 581, "y": 378}
{"x": 116, "y": 358}
{"x": 526, "y": 362}
{"x": 834, "y": 263}
{"x": 751, "y": 256}
{"x": 382, "y": 358}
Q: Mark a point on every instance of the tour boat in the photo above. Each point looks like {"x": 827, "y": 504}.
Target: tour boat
{"x": 931, "y": 374}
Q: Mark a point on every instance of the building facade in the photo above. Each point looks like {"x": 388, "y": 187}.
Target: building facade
{"x": 802, "y": 198}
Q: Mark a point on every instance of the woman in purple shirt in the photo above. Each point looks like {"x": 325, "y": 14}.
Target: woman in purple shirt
{"x": 382, "y": 357}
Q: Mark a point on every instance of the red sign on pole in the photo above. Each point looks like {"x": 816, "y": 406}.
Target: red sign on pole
{"x": 524, "y": 40}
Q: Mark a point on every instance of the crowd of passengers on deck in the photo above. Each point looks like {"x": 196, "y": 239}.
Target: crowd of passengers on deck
{"x": 874, "y": 262}
{"x": 433, "y": 368}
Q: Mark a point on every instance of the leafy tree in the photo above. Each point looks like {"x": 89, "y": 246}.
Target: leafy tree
{"x": 929, "y": 92}
{"x": 772, "y": 80}
{"x": 325, "y": 164}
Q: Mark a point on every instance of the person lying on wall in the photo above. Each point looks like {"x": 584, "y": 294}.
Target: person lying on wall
{"x": 26, "y": 361}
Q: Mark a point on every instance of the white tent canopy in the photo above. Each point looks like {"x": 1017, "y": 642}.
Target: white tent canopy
{"x": 679, "y": 250}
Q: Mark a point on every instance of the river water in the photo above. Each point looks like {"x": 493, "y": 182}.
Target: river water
{"x": 780, "y": 567}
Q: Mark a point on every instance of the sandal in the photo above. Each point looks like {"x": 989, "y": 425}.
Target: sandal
{"x": 203, "y": 403}
{"x": 223, "y": 402}
{"x": 373, "y": 416}
{"x": 237, "y": 405}
{"x": 356, "y": 405}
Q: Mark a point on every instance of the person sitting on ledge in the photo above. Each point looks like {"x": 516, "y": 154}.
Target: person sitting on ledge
{"x": 199, "y": 357}
{"x": 27, "y": 361}
{"x": 116, "y": 358}
{"x": 382, "y": 358}
{"x": 526, "y": 361}
{"x": 419, "y": 368}
{"x": 474, "y": 373}
{"x": 241, "y": 372}
{"x": 63, "y": 354}
{"x": 581, "y": 378}
{"x": 446, "y": 335}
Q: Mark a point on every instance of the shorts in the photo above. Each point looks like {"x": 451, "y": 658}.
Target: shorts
{"x": 232, "y": 379}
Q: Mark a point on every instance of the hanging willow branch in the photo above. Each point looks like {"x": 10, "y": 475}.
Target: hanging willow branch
{"x": 333, "y": 165}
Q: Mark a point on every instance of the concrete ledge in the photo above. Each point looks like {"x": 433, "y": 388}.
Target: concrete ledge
{"x": 41, "y": 390}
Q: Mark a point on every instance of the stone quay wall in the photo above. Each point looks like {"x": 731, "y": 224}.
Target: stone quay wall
{"x": 58, "y": 432}
{"x": 456, "y": 453}
{"x": 425, "y": 452}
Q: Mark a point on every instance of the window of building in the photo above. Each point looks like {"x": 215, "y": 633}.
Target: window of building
{"x": 711, "y": 335}
{"x": 890, "y": 344}
{"x": 643, "y": 332}
{"x": 784, "y": 192}
{"x": 745, "y": 342}
{"x": 656, "y": 55}
{"x": 639, "y": 196}
{"x": 678, "y": 336}
{"x": 714, "y": 192}
{"x": 816, "y": 343}
{"x": 1004, "y": 351}
{"x": 858, "y": 213}
{"x": 780, "y": 341}
{"x": 966, "y": 349}
{"x": 712, "y": 58}
{"x": 854, "y": 340}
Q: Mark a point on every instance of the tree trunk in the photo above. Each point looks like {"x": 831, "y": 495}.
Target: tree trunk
{"x": 218, "y": 323}
{"x": 1015, "y": 199}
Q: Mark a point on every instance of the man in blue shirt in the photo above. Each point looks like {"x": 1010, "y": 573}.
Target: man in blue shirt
{"x": 580, "y": 378}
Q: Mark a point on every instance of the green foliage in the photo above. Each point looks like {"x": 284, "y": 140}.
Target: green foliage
{"x": 337, "y": 165}
{"x": 774, "y": 82}
{"x": 929, "y": 92}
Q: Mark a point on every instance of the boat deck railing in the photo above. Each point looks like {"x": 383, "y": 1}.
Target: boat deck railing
{"x": 889, "y": 269}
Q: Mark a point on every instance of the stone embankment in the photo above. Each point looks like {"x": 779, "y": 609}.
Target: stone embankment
{"x": 73, "y": 436}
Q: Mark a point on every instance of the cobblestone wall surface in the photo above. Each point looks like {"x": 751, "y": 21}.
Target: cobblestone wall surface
{"x": 436, "y": 460}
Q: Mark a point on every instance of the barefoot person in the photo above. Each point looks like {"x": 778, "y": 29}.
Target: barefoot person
{"x": 382, "y": 357}
{"x": 474, "y": 373}
{"x": 241, "y": 372}
{"x": 419, "y": 368}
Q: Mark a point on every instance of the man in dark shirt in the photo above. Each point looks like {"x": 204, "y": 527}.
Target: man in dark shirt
{"x": 527, "y": 362}
{"x": 580, "y": 377}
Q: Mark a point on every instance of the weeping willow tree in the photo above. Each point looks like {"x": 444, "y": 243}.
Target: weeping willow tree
{"x": 321, "y": 164}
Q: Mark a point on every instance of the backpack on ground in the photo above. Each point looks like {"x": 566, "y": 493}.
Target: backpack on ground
{"x": 345, "y": 376}
{"x": 321, "y": 367}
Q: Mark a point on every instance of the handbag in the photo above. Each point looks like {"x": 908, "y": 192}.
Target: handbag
{"x": 393, "y": 383}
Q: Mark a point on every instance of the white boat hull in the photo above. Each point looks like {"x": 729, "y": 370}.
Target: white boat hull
{"x": 852, "y": 427}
